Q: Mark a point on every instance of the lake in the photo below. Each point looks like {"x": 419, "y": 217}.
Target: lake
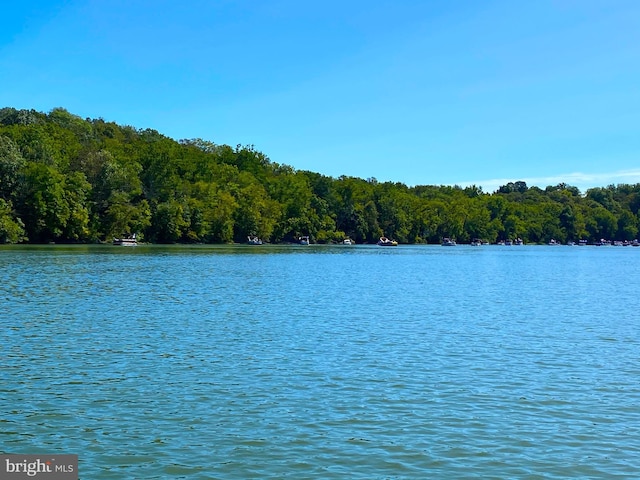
{"x": 323, "y": 362}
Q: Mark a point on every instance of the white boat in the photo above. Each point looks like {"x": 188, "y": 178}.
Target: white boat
{"x": 476, "y": 242}
{"x": 126, "y": 241}
{"x": 253, "y": 240}
{"x": 347, "y": 241}
{"x": 518, "y": 241}
{"x": 304, "y": 240}
{"x": 385, "y": 242}
{"x": 448, "y": 242}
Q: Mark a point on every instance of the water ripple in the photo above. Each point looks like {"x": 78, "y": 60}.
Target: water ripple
{"x": 233, "y": 363}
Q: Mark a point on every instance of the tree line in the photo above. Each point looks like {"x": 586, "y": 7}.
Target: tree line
{"x": 68, "y": 179}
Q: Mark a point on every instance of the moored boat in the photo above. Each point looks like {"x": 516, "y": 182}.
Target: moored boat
{"x": 304, "y": 240}
{"x": 448, "y": 242}
{"x": 126, "y": 241}
{"x": 385, "y": 242}
{"x": 253, "y": 240}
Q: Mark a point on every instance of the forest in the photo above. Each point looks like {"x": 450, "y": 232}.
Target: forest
{"x": 66, "y": 179}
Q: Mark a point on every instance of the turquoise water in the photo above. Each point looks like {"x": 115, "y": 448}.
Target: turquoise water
{"x": 323, "y": 362}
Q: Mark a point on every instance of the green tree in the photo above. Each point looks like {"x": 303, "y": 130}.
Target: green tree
{"x": 169, "y": 222}
{"x": 601, "y": 224}
{"x": 76, "y": 192}
{"x": 11, "y": 168}
{"x": 46, "y": 209}
{"x": 11, "y": 227}
{"x": 627, "y": 226}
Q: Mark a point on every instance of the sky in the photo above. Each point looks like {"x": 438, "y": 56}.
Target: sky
{"x": 423, "y": 92}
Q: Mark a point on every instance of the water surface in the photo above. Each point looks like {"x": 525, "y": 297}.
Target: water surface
{"x": 323, "y": 362}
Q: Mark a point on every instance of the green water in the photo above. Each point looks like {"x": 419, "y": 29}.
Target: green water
{"x": 323, "y": 362}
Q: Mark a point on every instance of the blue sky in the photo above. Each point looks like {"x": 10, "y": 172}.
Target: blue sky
{"x": 423, "y": 92}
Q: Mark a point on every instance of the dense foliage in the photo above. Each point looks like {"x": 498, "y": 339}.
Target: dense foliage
{"x": 68, "y": 179}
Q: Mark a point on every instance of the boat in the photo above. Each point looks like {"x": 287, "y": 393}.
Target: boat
{"x": 126, "y": 241}
{"x": 518, "y": 241}
{"x": 304, "y": 240}
{"x": 347, "y": 241}
{"x": 582, "y": 242}
{"x": 508, "y": 242}
{"x": 553, "y": 242}
{"x": 448, "y": 242}
{"x": 635, "y": 243}
{"x": 253, "y": 240}
{"x": 476, "y": 242}
{"x": 385, "y": 242}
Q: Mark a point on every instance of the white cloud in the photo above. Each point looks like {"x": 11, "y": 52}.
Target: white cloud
{"x": 583, "y": 181}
